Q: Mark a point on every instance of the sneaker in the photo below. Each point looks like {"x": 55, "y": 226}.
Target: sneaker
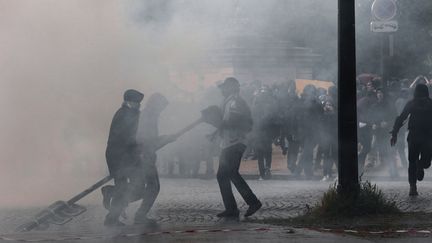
{"x": 107, "y": 194}
{"x": 110, "y": 222}
{"x": 413, "y": 190}
{"x": 260, "y": 178}
{"x": 253, "y": 208}
{"x": 228, "y": 214}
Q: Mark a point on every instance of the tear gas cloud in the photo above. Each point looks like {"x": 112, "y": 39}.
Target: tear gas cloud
{"x": 64, "y": 66}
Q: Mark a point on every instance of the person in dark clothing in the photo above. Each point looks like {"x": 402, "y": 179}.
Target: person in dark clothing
{"x": 400, "y": 103}
{"x": 328, "y": 139}
{"x": 289, "y": 132}
{"x": 121, "y": 155}
{"x": 365, "y": 124}
{"x": 146, "y": 186}
{"x": 382, "y": 112}
{"x": 265, "y": 129}
{"x": 236, "y": 123}
{"x": 419, "y": 110}
{"x": 310, "y": 113}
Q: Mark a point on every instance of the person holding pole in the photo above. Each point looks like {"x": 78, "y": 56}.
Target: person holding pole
{"x": 121, "y": 155}
{"x": 235, "y": 124}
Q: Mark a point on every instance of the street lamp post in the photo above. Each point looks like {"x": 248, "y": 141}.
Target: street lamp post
{"x": 347, "y": 107}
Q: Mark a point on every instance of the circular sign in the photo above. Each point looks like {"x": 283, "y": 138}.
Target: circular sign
{"x": 384, "y": 10}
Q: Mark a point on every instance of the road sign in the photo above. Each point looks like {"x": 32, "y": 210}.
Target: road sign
{"x": 384, "y": 26}
{"x": 384, "y": 10}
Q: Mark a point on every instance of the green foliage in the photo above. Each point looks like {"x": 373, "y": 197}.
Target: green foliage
{"x": 369, "y": 201}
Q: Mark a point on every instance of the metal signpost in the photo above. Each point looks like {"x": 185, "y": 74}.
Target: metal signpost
{"x": 384, "y": 22}
{"x": 347, "y": 107}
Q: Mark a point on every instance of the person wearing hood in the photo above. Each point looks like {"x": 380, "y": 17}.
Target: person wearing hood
{"x": 146, "y": 184}
{"x": 419, "y": 110}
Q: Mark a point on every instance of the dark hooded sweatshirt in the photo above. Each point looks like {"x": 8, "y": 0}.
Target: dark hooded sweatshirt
{"x": 419, "y": 110}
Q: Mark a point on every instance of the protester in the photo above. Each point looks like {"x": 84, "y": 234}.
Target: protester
{"x": 419, "y": 111}
{"x": 121, "y": 155}
{"x": 235, "y": 124}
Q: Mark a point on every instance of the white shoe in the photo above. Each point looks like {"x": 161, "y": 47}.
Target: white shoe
{"x": 260, "y": 178}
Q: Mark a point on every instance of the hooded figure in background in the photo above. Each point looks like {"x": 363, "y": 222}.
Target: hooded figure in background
{"x": 121, "y": 155}
{"x": 146, "y": 185}
{"x": 419, "y": 110}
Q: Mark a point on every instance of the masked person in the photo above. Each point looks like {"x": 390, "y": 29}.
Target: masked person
{"x": 236, "y": 123}
{"x": 121, "y": 155}
{"x": 264, "y": 110}
{"x": 289, "y": 132}
{"x": 419, "y": 110}
{"x": 382, "y": 111}
{"x": 311, "y": 112}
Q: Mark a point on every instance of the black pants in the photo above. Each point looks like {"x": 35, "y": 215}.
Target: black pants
{"x": 145, "y": 186}
{"x": 264, "y": 156}
{"x": 229, "y": 164}
{"x": 293, "y": 152}
{"x": 120, "y": 199}
{"x": 365, "y": 136}
{"x": 120, "y": 163}
{"x": 401, "y": 148}
{"x": 264, "y": 161}
{"x": 306, "y": 159}
{"x": 133, "y": 184}
{"x": 329, "y": 155}
{"x": 419, "y": 153}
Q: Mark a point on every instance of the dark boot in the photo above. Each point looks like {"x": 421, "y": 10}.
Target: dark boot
{"x": 420, "y": 171}
{"x": 413, "y": 190}
{"x": 253, "y": 208}
{"x": 107, "y": 194}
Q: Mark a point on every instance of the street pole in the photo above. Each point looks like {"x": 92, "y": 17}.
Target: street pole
{"x": 347, "y": 107}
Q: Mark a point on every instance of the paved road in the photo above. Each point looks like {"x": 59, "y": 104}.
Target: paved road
{"x": 193, "y": 203}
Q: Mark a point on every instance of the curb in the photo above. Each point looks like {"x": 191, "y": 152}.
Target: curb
{"x": 382, "y": 232}
{"x": 127, "y": 235}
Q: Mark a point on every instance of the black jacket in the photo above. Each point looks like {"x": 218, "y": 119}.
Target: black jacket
{"x": 419, "y": 111}
{"x": 122, "y": 139}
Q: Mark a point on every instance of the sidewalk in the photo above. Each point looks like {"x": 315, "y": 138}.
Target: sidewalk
{"x": 222, "y": 233}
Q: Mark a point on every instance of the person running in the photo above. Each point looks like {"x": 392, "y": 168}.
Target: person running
{"x": 419, "y": 110}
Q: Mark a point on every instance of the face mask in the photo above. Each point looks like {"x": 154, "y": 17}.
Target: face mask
{"x": 132, "y": 105}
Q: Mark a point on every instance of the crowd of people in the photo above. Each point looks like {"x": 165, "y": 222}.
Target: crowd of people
{"x": 249, "y": 124}
{"x": 303, "y": 124}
